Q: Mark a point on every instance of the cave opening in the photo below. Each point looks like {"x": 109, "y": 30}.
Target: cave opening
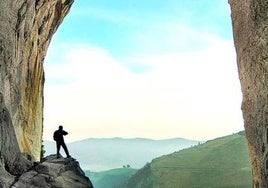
{"x": 124, "y": 70}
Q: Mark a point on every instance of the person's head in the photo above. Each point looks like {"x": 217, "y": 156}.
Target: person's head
{"x": 60, "y": 127}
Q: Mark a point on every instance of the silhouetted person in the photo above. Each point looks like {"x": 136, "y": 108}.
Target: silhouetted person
{"x": 58, "y": 137}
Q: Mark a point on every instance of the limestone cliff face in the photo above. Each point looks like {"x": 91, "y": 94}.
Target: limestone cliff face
{"x": 26, "y": 29}
{"x": 250, "y": 26}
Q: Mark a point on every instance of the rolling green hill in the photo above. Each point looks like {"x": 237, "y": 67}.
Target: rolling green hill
{"x": 110, "y": 179}
{"x": 223, "y": 162}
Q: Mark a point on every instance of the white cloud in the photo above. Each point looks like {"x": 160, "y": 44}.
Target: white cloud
{"x": 194, "y": 95}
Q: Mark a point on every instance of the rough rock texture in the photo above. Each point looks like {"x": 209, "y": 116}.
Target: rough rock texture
{"x": 26, "y": 29}
{"x": 250, "y": 26}
{"x": 53, "y": 172}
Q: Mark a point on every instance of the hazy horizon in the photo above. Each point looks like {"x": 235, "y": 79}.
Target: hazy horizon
{"x": 133, "y": 138}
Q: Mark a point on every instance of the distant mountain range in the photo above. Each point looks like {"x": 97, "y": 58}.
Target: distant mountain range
{"x": 97, "y": 154}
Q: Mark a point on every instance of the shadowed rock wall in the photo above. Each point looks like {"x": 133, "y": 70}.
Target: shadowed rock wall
{"x": 26, "y": 29}
{"x": 250, "y": 26}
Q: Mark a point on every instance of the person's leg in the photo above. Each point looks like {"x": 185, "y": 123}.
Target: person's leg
{"x": 65, "y": 149}
{"x": 58, "y": 149}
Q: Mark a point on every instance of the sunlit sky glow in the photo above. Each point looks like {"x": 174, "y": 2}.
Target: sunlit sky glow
{"x": 155, "y": 69}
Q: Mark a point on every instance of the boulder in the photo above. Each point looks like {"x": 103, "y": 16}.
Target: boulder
{"x": 54, "y": 172}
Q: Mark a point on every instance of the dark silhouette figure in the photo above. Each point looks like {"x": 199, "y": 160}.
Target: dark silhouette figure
{"x": 58, "y": 137}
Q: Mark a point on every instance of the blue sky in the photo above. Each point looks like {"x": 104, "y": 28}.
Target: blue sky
{"x": 143, "y": 69}
{"x": 131, "y": 27}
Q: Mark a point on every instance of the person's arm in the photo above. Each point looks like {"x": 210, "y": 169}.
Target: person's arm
{"x": 64, "y": 132}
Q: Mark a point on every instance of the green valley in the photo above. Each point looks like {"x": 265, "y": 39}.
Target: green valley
{"x": 112, "y": 178}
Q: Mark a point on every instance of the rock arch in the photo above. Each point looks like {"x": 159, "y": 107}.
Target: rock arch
{"x": 27, "y": 27}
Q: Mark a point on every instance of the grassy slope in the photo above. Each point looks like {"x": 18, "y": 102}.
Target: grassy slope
{"x": 223, "y": 162}
{"x": 110, "y": 179}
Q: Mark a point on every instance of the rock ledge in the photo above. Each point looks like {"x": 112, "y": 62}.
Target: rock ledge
{"x": 54, "y": 172}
